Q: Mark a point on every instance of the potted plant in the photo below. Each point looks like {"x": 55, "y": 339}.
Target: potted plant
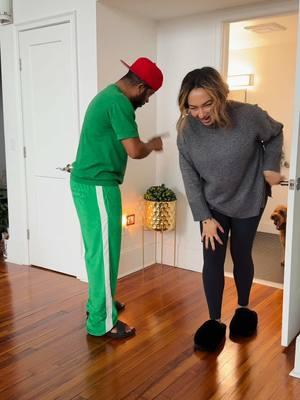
{"x": 160, "y": 208}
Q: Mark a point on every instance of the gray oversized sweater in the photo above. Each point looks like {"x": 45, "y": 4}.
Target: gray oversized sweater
{"x": 222, "y": 168}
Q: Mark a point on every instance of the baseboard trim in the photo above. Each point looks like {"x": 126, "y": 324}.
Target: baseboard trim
{"x": 260, "y": 281}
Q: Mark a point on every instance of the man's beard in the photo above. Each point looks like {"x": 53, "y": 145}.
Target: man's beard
{"x": 140, "y": 100}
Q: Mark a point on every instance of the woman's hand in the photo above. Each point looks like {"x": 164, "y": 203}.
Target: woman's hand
{"x": 210, "y": 232}
{"x": 273, "y": 178}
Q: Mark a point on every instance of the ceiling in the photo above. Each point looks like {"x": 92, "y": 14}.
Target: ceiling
{"x": 241, "y": 38}
{"x": 164, "y": 9}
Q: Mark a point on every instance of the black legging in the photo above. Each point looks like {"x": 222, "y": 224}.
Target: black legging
{"x": 241, "y": 240}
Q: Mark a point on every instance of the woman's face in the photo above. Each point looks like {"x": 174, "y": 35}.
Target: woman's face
{"x": 200, "y": 104}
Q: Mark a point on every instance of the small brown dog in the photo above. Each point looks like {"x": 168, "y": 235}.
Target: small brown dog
{"x": 279, "y": 218}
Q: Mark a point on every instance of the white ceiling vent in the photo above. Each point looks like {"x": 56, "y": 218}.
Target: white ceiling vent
{"x": 265, "y": 28}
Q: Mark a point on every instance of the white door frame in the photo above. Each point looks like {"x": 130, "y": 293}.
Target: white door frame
{"x": 70, "y": 18}
{"x": 222, "y": 55}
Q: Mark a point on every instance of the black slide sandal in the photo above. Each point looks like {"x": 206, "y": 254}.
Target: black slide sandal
{"x": 120, "y": 306}
{"x": 121, "y": 333}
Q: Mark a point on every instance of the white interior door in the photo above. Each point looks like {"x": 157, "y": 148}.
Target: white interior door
{"x": 291, "y": 296}
{"x": 51, "y": 133}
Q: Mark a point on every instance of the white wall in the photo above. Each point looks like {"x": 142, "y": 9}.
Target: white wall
{"x": 274, "y": 84}
{"x": 123, "y": 36}
{"x": 25, "y": 12}
{"x": 185, "y": 44}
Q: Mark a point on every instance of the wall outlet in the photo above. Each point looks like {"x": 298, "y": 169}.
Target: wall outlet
{"x": 130, "y": 219}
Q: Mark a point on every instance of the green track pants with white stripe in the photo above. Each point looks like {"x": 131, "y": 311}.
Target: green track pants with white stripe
{"x": 99, "y": 211}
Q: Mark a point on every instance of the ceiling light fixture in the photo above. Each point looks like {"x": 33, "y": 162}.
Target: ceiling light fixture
{"x": 265, "y": 28}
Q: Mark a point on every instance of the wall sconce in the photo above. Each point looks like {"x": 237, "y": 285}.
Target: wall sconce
{"x": 6, "y": 12}
{"x": 240, "y": 81}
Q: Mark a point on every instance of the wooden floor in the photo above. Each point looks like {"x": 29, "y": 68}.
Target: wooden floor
{"x": 45, "y": 353}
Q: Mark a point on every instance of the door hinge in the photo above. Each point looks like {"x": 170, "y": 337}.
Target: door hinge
{"x": 24, "y": 152}
{"x": 293, "y": 183}
{"x": 28, "y": 234}
{"x": 20, "y": 64}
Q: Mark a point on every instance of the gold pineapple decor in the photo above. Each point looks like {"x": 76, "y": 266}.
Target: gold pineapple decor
{"x": 160, "y": 209}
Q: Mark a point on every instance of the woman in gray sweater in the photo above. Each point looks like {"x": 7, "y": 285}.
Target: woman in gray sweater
{"x": 229, "y": 155}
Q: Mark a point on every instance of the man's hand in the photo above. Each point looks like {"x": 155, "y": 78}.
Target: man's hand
{"x": 273, "y": 178}
{"x": 156, "y": 143}
{"x": 137, "y": 149}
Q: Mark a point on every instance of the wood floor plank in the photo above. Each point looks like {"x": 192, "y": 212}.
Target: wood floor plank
{"x": 45, "y": 353}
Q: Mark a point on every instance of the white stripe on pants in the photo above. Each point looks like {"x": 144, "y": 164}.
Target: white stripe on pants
{"x": 105, "y": 244}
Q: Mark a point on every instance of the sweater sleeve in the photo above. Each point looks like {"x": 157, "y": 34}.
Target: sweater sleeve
{"x": 192, "y": 183}
{"x": 270, "y": 133}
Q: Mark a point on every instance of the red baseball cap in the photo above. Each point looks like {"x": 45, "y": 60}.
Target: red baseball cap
{"x": 147, "y": 71}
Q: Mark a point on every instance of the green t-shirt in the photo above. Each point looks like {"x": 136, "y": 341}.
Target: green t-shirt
{"x": 101, "y": 158}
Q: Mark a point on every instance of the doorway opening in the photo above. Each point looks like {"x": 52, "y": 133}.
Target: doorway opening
{"x": 3, "y": 185}
{"x": 260, "y": 67}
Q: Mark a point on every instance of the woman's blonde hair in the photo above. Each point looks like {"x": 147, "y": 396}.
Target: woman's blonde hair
{"x": 211, "y": 81}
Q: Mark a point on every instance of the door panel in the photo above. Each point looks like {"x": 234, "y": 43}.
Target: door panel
{"x": 291, "y": 296}
{"x": 51, "y": 133}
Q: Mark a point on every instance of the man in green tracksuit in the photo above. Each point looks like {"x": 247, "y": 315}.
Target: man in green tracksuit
{"x": 109, "y": 135}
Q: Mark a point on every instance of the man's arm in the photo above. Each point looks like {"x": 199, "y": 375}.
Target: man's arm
{"x": 137, "y": 149}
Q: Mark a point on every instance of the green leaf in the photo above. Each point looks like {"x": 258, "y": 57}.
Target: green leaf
{"x": 159, "y": 193}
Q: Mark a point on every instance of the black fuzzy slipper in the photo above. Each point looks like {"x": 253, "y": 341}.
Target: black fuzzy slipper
{"x": 243, "y": 323}
{"x": 210, "y": 336}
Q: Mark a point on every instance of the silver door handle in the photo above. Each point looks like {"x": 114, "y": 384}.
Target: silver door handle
{"x": 292, "y": 183}
{"x": 67, "y": 168}
{"x": 284, "y": 183}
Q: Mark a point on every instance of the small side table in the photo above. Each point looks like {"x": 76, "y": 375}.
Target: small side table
{"x": 159, "y": 217}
